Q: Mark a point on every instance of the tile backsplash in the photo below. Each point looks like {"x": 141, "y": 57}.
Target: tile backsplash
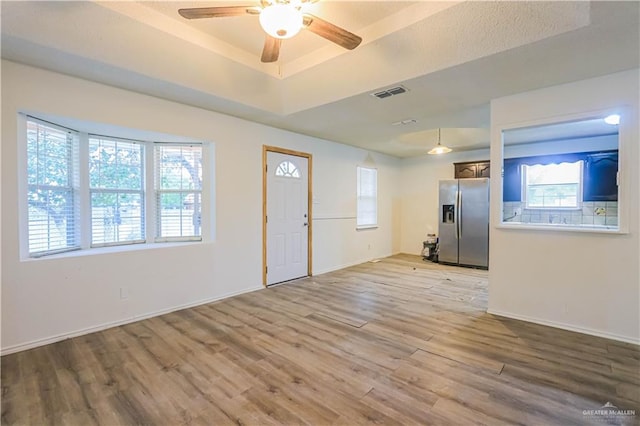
{"x": 598, "y": 213}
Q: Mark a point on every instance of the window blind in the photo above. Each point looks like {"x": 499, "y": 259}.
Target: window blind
{"x": 367, "y": 197}
{"x": 116, "y": 185}
{"x": 52, "y": 184}
{"x": 178, "y": 184}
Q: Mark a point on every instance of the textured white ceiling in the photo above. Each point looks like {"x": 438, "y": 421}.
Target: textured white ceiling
{"x": 454, "y": 57}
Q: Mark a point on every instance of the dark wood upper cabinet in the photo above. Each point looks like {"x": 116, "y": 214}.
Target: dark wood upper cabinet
{"x": 512, "y": 180}
{"x": 484, "y": 170}
{"x": 465, "y": 171}
{"x": 601, "y": 177}
{"x": 472, "y": 169}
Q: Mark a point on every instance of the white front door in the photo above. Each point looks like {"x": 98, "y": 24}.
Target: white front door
{"x": 287, "y": 217}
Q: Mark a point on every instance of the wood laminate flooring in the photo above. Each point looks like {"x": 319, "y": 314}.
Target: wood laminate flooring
{"x": 401, "y": 341}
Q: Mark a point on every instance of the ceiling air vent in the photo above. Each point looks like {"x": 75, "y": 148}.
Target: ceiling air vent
{"x": 390, "y": 92}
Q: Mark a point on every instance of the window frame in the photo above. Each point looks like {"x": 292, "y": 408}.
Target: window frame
{"x": 525, "y": 189}
{"x": 117, "y": 191}
{"x": 624, "y": 141}
{"x": 287, "y": 169}
{"x": 82, "y": 195}
{"x": 71, "y": 188}
{"x": 360, "y": 198}
{"x": 158, "y": 191}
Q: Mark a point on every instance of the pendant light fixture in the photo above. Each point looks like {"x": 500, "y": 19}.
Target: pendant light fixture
{"x": 439, "y": 149}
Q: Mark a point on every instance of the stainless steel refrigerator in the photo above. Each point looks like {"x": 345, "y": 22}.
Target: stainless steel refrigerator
{"x": 464, "y": 222}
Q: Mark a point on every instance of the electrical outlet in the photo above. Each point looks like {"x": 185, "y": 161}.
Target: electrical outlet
{"x": 368, "y": 246}
{"x": 124, "y": 293}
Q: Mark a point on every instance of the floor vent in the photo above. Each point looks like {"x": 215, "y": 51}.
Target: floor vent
{"x": 390, "y": 92}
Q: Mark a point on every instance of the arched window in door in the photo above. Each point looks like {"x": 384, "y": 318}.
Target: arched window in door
{"x": 287, "y": 169}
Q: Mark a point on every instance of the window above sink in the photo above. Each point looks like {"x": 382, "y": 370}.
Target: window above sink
{"x": 552, "y": 186}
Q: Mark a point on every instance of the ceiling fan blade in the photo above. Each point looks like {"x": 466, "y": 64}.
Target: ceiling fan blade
{"x": 218, "y": 12}
{"x": 331, "y": 32}
{"x": 271, "y": 49}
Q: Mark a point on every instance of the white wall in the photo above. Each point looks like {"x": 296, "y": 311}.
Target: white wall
{"x": 334, "y": 207}
{"x": 51, "y": 298}
{"x": 580, "y": 281}
{"x": 587, "y": 282}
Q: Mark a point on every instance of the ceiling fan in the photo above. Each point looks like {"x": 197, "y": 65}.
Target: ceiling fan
{"x": 280, "y": 19}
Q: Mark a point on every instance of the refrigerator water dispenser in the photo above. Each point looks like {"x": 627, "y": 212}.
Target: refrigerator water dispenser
{"x": 448, "y": 213}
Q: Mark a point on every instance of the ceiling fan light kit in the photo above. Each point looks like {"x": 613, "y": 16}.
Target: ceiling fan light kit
{"x": 280, "y": 19}
{"x": 439, "y": 148}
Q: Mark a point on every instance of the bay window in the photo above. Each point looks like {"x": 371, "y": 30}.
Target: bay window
{"x": 85, "y": 191}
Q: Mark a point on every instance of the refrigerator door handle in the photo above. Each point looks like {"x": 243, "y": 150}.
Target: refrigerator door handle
{"x": 458, "y": 215}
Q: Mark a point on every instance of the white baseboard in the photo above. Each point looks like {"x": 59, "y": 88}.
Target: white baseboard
{"x": 563, "y": 326}
{"x": 63, "y": 336}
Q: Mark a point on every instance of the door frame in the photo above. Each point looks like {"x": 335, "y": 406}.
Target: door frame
{"x": 309, "y": 157}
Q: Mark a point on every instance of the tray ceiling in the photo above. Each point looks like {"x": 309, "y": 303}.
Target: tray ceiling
{"x": 454, "y": 57}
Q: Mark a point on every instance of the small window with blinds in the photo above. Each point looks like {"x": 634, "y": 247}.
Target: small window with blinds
{"x": 178, "y": 186}
{"x": 367, "y": 198}
{"x": 52, "y": 185}
{"x": 116, "y": 189}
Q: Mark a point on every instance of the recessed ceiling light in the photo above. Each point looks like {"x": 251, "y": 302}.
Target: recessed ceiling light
{"x": 613, "y": 119}
{"x": 404, "y": 122}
